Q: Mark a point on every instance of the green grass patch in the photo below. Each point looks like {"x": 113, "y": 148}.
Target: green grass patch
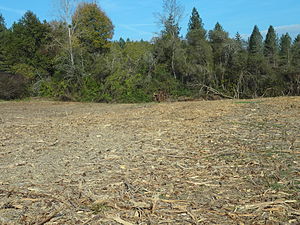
{"x": 100, "y": 207}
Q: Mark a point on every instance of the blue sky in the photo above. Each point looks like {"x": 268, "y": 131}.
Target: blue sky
{"x": 135, "y": 19}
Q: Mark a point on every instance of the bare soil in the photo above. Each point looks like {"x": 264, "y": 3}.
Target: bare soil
{"x": 201, "y": 162}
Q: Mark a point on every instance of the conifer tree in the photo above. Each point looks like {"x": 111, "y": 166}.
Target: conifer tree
{"x": 198, "y": 49}
{"x": 2, "y": 23}
{"x": 285, "y": 49}
{"x": 270, "y": 46}
{"x": 27, "y": 40}
{"x": 256, "y": 63}
{"x": 296, "y": 53}
{"x": 219, "y": 40}
{"x": 122, "y": 43}
{"x": 238, "y": 39}
{"x": 255, "y": 41}
{"x": 195, "y": 27}
{"x": 168, "y": 47}
{"x": 3, "y": 33}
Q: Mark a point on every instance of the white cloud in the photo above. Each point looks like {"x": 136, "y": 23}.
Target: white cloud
{"x": 139, "y": 25}
{"x": 293, "y": 30}
{"x": 17, "y": 11}
{"x": 134, "y": 28}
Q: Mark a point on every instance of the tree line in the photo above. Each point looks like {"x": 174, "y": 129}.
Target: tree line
{"x": 74, "y": 58}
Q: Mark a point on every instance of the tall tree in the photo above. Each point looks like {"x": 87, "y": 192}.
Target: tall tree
{"x": 285, "y": 49}
{"x": 3, "y": 34}
{"x": 168, "y": 47}
{"x": 236, "y": 67}
{"x": 271, "y": 46}
{"x": 2, "y": 23}
{"x": 94, "y": 29}
{"x": 219, "y": 40}
{"x": 67, "y": 39}
{"x": 199, "y": 52}
{"x": 27, "y": 47}
{"x": 256, "y": 63}
{"x": 296, "y": 52}
{"x": 255, "y": 41}
{"x": 195, "y": 28}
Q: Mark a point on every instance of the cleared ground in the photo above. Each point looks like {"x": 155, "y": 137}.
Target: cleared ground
{"x": 218, "y": 162}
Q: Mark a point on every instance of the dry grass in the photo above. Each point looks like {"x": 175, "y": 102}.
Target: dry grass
{"x": 220, "y": 162}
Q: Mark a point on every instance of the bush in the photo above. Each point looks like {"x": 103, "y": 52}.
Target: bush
{"x": 13, "y": 86}
{"x": 125, "y": 87}
{"x": 92, "y": 91}
{"x": 24, "y": 69}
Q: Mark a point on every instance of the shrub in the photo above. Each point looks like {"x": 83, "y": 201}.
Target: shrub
{"x": 13, "y": 86}
{"x": 24, "y": 69}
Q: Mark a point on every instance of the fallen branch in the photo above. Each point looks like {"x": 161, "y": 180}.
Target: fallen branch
{"x": 214, "y": 91}
{"x": 264, "y": 204}
{"x": 48, "y": 218}
{"x": 119, "y": 220}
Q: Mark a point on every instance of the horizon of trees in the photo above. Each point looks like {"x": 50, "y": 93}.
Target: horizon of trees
{"x": 75, "y": 58}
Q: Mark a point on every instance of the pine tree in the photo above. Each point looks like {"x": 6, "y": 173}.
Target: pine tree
{"x": 168, "y": 47}
{"x": 198, "y": 50}
{"x": 195, "y": 27}
{"x": 285, "y": 49}
{"x": 27, "y": 43}
{"x": 2, "y": 23}
{"x": 296, "y": 53}
{"x": 3, "y": 34}
{"x": 122, "y": 43}
{"x": 218, "y": 35}
{"x": 255, "y": 42}
{"x": 238, "y": 39}
{"x": 256, "y": 63}
{"x": 172, "y": 29}
{"x": 270, "y": 46}
{"x": 219, "y": 40}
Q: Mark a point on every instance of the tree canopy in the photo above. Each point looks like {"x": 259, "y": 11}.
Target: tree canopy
{"x": 76, "y": 58}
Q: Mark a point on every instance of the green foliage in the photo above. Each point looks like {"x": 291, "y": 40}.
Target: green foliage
{"x": 218, "y": 38}
{"x": 199, "y": 52}
{"x": 195, "y": 28}
{"x": 255, "y": 42}
{"x": 78, "y": 61}
{"x": 93, "y": 27}
{"x": 24, "y": 69}
{"x": 27, "y": 41}
{"x": 285, "y": 50}
{"x": 92, "y": 91}
{"x": 3, "y": 42}
{"x": 296, "y": 52}
{"x": 271, "y": 46}
{"x": 123, "y": 87}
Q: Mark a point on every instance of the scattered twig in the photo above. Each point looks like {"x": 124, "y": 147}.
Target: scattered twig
{"x": 264, "y": 204}
{"x": 118, "y": 219}
{"x": 48, "y": 218}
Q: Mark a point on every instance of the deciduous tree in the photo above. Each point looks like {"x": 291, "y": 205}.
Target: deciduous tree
{"x": 93, "y": 27}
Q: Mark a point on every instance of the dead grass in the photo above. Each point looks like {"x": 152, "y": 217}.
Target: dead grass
{"x": 220, "y": 162}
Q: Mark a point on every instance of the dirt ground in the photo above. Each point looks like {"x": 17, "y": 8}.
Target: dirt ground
{"x": 201, "y": 162}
